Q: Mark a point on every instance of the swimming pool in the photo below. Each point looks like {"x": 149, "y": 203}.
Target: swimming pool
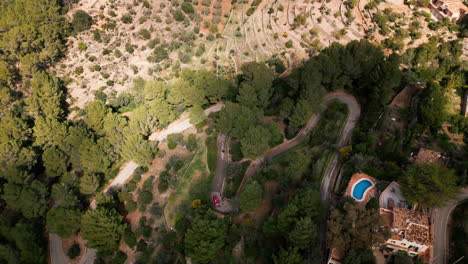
{"x": 360, "y": 188}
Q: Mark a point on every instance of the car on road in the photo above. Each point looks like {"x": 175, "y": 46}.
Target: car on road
{"x": 216, "y": 197}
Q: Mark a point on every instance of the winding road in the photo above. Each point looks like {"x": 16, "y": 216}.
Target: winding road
{"x": 330, "y": 175}
{"x": 441, "y": 235}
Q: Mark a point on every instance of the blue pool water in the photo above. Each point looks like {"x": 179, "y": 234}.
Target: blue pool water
{"x": 360, "y": 188}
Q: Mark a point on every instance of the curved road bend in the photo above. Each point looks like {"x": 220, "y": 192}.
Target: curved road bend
{"x": 57, "y": 256}
{"x": 441, "y": 235}
{"x": 353, "y": 116}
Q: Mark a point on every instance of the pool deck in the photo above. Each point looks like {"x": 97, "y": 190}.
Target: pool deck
{"x": 369, "y": 193}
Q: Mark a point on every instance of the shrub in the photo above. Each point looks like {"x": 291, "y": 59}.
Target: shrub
{"x": 148, "y": 184}
{"x": 187, "y": 7}
{"x": 131, "y": 206}
{"x": 129, "y": 48}
{"x": 173, "y": 140}
{"x": 141, "y": 170}
{"x": 119, "y": 258}
{"x": 78, "y": 70}
{"x": 192, "y": 142}
{"x": 117, "y": 53}
{"x": 145, "y": 198}
{"x": 288, "y": 44}
{"x": 130, "y": 238}
{"x": 156, "y": 210}
{"x": 178, "y": 15}
{"x": 96, "y": 67}
{"x": 81, "y": 21}
{"x": 163, "y": 185}
{"x": 82, "y": 46}
{"x": 144, "y": 33}
{"x": 74, "y": 251}
{"x": 125, "y": 196}
{"x": 127, "y": 19}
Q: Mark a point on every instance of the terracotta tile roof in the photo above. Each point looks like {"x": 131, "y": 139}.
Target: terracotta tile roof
{"x": 415, "y": 224}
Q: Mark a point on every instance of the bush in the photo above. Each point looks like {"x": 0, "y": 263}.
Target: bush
{"x": 119, "y": 258}
{"x": 130, "y": 238}
{"x": 156, "y": 210}
{"x": 251, "y": 196}
{"x": 131, "y": 206}
{"x": 187, "y": 7}
{"x": 126, "y": 19}
{"x": 173, "y": 140}
{"x": 125, "y": 196}
{"x": 74, "y": 251}
{"x": 178, "y": 15}
{"x": 288, "y": 44}
{"x": 141, "y": 170}
{"x": 145, "y": 198}
{"x": 82, "y": 46}
{"x": 129, "y": 48}
{"x": 81, "y": 21}
{"x": 192, "y": 142}
{"x": 163, "y": 185}
{"x": 144, "y": 33}
{"x": 148, "y": 184}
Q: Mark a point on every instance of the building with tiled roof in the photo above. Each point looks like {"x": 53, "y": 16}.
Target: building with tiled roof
{"x": 452, "y": 9}
{"x": 410, "y": 230}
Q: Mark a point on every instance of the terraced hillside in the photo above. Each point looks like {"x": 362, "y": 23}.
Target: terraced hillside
{"x": 155, "y": 38}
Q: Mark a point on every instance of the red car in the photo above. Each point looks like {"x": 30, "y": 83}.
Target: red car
{"x": 216, "y": 198}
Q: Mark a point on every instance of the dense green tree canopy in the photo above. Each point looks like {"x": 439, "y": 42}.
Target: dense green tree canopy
{"x": 33, "y": 34}
{"x": 251, "y": 196}
{"x": 102, "y": 228}
{"x": 432, "y": 106}
{"x": 255, "y": 142}
{"x": 29, "y": 198}
{"x": 354, "y": 227}
{"x": 205, "y": 237}
{"x": 47, "y": 98}
{"x": 429, "y": 184}
{"x": 138, "y": 149}
{"x": 63, "y": 221}
{"x": 55, "y": 162}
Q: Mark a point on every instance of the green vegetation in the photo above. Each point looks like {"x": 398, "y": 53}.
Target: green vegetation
{"x": 55, "y": 160}
{"x": 365, "y": 223}
{"x": 102, "y": 228}
{"x": 81, "y": 21}
{"x": 429, "y": 185}
{"x": 251, "y": 196}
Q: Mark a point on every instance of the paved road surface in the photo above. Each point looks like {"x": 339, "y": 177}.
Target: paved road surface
{"x": 441, "y": 236}
{"x": 353, "y": 116}
{"x": 57, "y": 256}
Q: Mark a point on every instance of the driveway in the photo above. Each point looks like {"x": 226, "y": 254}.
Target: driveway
{"x": 440, "y": 218}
